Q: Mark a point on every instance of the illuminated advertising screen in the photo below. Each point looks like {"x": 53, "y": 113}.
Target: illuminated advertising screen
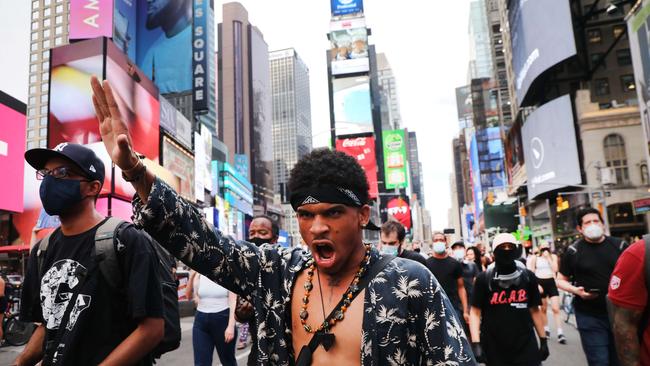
{"x": 125, "y": 26}
{"x": 542, "y": 36}
{"x": 164, "y": 39}
{"x": 551, "y": 163}
{"x": 12, "y": 151}
{"x": 395, "y": 159}
{"x": 352, "y": 106}
{"x": 396, "y": 207}
{"x": 180, "y": 163}
{"x": 349, "y": 46}
{"x": 345, "y": 7}
{"x": 91, "y": 19}
{"x": 136, "y": 97}
{"x": 363, "y": 149}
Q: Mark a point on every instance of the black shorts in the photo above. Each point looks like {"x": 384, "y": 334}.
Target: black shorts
{"x": 549, "y": 288}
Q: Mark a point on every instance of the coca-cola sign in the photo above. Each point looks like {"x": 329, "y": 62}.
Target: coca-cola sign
{"x": 363, "y": 150}
{"x": 356, "y": 142}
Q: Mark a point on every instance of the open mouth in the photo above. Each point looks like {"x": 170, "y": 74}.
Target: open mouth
{"x": 324, "y": 253}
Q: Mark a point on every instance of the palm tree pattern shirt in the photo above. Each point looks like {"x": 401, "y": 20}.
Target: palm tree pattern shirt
{"x": 408, "y": 319}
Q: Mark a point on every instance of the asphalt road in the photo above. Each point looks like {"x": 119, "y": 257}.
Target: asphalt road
{"x": 569, "y": 354}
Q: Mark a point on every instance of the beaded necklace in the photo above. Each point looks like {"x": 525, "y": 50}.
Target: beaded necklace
{"x": 348, "y": 295}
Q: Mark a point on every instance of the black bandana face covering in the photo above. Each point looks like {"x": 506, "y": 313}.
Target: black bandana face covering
{"x": 325, "y": 194}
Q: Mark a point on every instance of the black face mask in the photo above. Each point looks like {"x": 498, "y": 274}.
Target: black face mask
{"x": 59, "y": 195}
{"x": 258, "y": 241}
{"x": 505, "y": 260}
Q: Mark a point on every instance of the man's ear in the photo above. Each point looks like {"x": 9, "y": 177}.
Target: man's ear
{"x": 364, "y": 215}
{"x": 93, "y": 189}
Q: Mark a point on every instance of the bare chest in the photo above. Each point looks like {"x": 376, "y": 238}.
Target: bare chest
{"x": 347, "y": 333}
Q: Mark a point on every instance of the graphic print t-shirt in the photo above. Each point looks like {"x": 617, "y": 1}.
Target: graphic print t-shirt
{"x": 507, "y": 329}
{"x": 101, "y": 316}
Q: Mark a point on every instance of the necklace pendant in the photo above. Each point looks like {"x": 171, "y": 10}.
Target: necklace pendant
{"x": 326, "y": 340}
{"x": 304, "y": 314}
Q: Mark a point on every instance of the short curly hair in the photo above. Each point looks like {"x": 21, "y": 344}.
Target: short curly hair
{"x": 328, "y": 167}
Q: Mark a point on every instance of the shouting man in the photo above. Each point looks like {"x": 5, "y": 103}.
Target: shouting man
{"x": 400, "y": 317}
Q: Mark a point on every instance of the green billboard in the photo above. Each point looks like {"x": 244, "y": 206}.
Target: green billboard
{"x": 395, "y": 159}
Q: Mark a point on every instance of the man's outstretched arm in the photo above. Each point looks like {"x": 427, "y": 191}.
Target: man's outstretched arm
{"x": 626, "y": 337}
{"x": 168, "y": 218}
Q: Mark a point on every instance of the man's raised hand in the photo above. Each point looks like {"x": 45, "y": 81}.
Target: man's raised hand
{"x": 112, "y": 128}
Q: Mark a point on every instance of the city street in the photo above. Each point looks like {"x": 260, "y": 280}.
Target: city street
{"x": 568, "y": 354}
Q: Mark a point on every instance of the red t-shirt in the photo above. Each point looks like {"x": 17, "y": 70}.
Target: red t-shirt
{"x": 627, "y": 288}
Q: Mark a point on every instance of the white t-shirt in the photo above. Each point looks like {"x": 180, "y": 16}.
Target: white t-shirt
{"x": 212, "y": 297}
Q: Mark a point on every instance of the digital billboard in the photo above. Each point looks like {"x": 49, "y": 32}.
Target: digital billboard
{"x": 352, "y": 106}
{"x": 12, "y": 150}
{"x": 542, "y": 36}
{"x": 136, "y": 97}
{"x": 345, "y": 7}
{"x": 551, "y": 163}
{"x": 91, "y": 19}
{"x": 514, "y": 150}
{"x": 639, "y": 36}
{"x": 396, "y": 207}
{"x": 363, "y": 149}
{"x": 125, "y": 26}
{"x": 164, "y": 43}
{"x": 349, "y": 46}
{"x": 200, "y": 79}
{"x": 395, "y": 159}
{"x": 181, "y": 164}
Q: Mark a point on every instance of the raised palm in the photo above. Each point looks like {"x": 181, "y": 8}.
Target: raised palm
{"x": 112, "y": 128}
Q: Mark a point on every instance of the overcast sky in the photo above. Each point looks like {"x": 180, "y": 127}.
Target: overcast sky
{"x": 426, "y": 45}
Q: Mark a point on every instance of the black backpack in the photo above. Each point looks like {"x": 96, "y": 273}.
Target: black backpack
{"x": 106, "y": 241}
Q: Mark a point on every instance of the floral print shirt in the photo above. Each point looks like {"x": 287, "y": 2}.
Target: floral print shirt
{"x": 407, "y": 319}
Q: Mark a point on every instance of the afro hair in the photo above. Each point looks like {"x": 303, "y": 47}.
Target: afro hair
{"x": 327, "y": 167}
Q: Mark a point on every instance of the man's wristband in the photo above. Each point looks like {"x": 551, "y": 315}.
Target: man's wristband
{"x": 136, "y": 173}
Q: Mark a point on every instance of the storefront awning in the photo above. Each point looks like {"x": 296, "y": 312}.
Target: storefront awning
{"x": 14, "y": 248}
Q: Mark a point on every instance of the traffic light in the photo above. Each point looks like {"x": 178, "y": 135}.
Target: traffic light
{"x": 522, "y": 211}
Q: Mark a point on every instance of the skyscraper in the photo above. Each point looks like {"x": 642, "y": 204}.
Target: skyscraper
{"x": 416, "y": 167}
{"x": 49, "y": 29}
{"x": 291, "y": 114}
{"x": 391, "y": 118}
{"x": 245, "y": 100}
{"x": 291, "y": 123}
{"x": 480, "y": 64}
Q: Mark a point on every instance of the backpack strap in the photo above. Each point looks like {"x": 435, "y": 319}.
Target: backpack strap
{"x": 42, "y": 249}
{"x": 106, "y": 238}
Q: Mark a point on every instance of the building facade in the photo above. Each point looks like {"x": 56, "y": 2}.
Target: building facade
{"x": 244, "y": 102}
{"x": 391, "y": 118}
{"x": 415, "y": 166}
{"x": 49, "y": 28}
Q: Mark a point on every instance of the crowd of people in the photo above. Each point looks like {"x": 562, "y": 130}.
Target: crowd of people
{"x": 337, "y": 301}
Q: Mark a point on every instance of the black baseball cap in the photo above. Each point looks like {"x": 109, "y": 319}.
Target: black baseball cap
{"x": 82, "y": 157}
{"x": 459, "y": 243}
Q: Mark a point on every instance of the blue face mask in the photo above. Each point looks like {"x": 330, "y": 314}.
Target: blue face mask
{"x": 59, "y": 195}
{"x": 439, "y": 247}
{"x": 389, "y": 250}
